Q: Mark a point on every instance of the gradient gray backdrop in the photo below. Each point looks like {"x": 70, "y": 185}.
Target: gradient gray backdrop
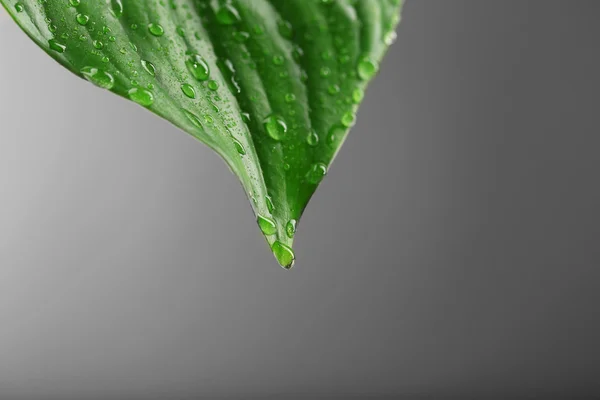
{"x": 452, "y": 250}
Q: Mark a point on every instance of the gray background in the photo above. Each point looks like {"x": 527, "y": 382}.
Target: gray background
{"x": 452, "y": 250}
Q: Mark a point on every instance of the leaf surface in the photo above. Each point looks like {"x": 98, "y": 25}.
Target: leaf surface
{"x": 272, "y": 86}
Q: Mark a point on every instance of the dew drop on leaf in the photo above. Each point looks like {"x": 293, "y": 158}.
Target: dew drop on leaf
{"x": 82, "y": 19}
{"x": 357, "y": 95}
{"x": 316, "y": 173}
{"x": 19, "y": 7}
{"x": 198, "y": 67}
{"x": 266, "y": 225}
{"x": 366, "y": 69}
{"x": 193, "y": 119}
{"x": 141, "y": 96}
{"x": 98, "y": 77}
{"x": 188, "y": 90}
{"x": 275, "y": 126}
{"x": 241, "y": 36}
{"x": 312, "y": 139}
{"x": 56, "y": 46}
{"x": 348, "y": 119}
{"x": 335, "y": 134}
{"x": 149, "y": 67}
{"x": 74, "y": 3}
{"x": 98, "y": 44}
{"x": 290, "y": 228}
{"x": 284, "y": 254}
{"x": 156, "y": 29}
{"x": 228, "y": 15}
{"x": 213, "y": 85}
{"x": 270, "y": 205}
{"x": 239, "y": 147}
{"x": 117, "y": 8}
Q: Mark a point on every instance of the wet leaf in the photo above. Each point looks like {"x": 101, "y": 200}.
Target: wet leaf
{"x": 272, "y": 86}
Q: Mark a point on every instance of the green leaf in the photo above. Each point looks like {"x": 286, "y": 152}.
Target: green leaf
{"x": 272, "y": 86}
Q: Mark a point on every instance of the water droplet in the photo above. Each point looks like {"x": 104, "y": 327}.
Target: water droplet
{"x": 112, "y": 39}
{"x": 357, "y": 95}
{"x": 239, "y": 147}
{"x": 117, "y": 8}
{"x": 141, "y": 96}
{"x": 285, "y": 29}
{"x": 335, "y": 134}
{"x": 149, "y": 67}
{"x": 56, "y": 46}
{"x": 246, "y": 117}
{"x": 270, "y": 205}
{"x": 198, "y": 67}
{"x": 98, "y": 44}
{"x": 290, "y": 228}
{"x": 284, "y": 254}
{"x": 188, "y": 90}
{"x": 276, "y": 127}
{"x": 316, "y": 173}
{"x": 19, "y": 7}
{"x": 156, "y": 29}
{"x": 193, "y": 119}
{"x": 390, "y": 38}
{"x": 241, "y": 36}
{"x": 366, "y": 69}
{"x": 333, "y": 89}
{"x": 98, "y": 77}
{"x": 266, "y": 225}
{"x": 290, "y": 97}
{"x": 278, "y": 60}
{"x": 82, "y": 19}
{"x": 213, "y": 85}
{"x": 52, "y": 28}
{"x": 74, "y": 3}
{"x": 134, "y": 26}
{"x": 344, "y": 59}
{"x": 105, "y": 59}
{"x": 312, "y": 139}
{"x": 228, "y": 15}
{"x": 348, "y": 119}
{"x": 325, "y": 71}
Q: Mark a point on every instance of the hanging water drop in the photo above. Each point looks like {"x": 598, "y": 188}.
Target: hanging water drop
{"x": 284, "y": 254}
